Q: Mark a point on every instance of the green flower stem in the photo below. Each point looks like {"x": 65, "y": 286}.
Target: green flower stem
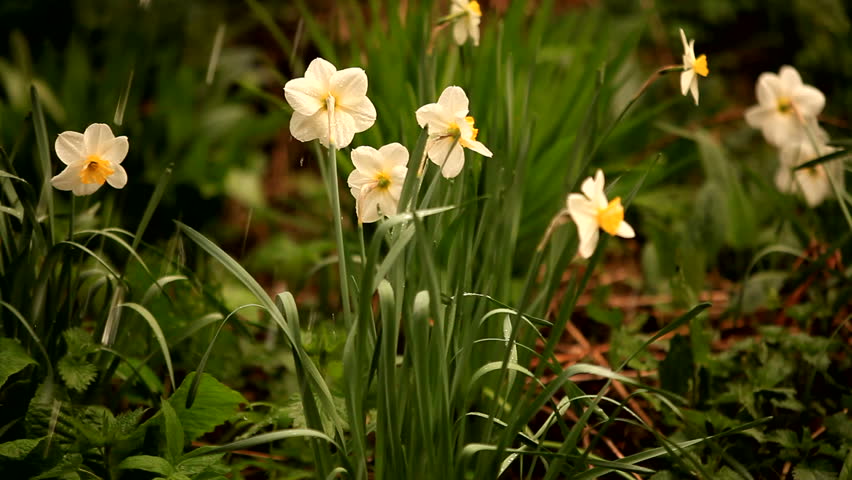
{"x": 334, "y": 198}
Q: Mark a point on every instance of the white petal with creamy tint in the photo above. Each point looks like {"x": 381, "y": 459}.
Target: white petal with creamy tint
{"x": 304, "y": 95}
{"x": 85, "y": 188}
{"x": 363, "y": 114}
{"x": 115, "y": 150}
{"x": 119, "y": 178}
{"x": 306, "y": 128}
{"x": 95, "y": 135}
{"x": 454, "y": 101}
{"x": 68, "y": 178}
{"x": 320, "y": 70}
{"x": 686, "y": 78}
{"x": 808, "y": 100}
{"x": 69, "y": 147}
{"x": 349, "y": 83}
{"x": 625, "y": 230}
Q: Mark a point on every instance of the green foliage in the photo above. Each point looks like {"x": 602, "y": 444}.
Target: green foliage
{"x": 214, "y": 404}
{"x": 13, "y": 359}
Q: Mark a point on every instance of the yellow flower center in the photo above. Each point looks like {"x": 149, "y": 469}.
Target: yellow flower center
{"x": 785, "y": 105}
{"x": 700, "y": 66}
{"x": 474, "y": 8}
{"x": 383, "y": 182}
{"x": 453, "y": 130}
{"x": 96, "y": 170}
{"x": 611, "y": 216}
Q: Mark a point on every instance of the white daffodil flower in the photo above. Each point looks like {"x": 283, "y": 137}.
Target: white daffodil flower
{"x": 591, "y": 211}
{"x": 328, "y": 104}
{"x": 787, "y": 108}
{"x": 376, "y": 182}
{"x": 691, "y": 68}
{"x": 91, "y": 158}
{"x": 813, "y": 183}
{"x": 466, "y": 16}
{"x": 450, "y": 131}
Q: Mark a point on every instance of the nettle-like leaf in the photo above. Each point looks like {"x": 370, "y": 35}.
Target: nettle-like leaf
{"x": 148, "y": 463}
{"x": 807, "y": 473}
{"x": 18, "y": 449}
{"x": 79, "y": 342}
{"x": 13, "y": 359}
{"x": 77, "y": 373}
{"x": 214, "y": 404}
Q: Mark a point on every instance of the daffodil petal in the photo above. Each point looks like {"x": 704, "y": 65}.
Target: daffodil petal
{"x": 305, "y": 128}
{"x": 95, "y": 136}
{"x": 478, "y": 147}
{"x": 757, "y": 115}
{"x": 768, "y": 89}
{"x": 362, "y": 113}
{"x": 115, "y": 150}
{"x": 393, "y": 156}
{"x": 460, "y": 32}
{"x": 367, "y": 206}
{"x": 451, "y": 162}
{"x": 473, "y": 29}
{"x": 789, "y": 77}
{"x": 348, "y": 84}
{"x": 693, "y": 88}
{"x": 685, "y": 80}
{"x": 81, "y": 188}
{"x": 119, "y": 177}
{"x": 67, "y": 178}
{"x": 588, "y": 245}
{"x": 784, "y": 179}
{"x": 304, "y": 95}
{"x": 69, "y": 147}
{"x": 683, "y": 40}
{"x": 320, "y": 70}
{"x": 387, "y": 203}
{"x": 433, "y": 116}
{"x": 814, "y": 187}
{"x": 454, "y": 101}
{"x": 808, "y": 100}
{"x": 625, "y": 230}
{"x": 367, "y": 160}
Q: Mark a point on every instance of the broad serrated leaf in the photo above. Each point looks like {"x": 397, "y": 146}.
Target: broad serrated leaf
{"x": 125, "y": 424}
{"x": 806, "y": 473}
{"x": 785, "y": 438}
{"x": 66, "y": 469}
{"x": 147, "y": 463}
{"x": 174, "y": 433}
{"x": 214, "y": 404}
{"x": 79, "y": 342}
{"x": 76, "y": 373}
{"x": 18, "y": 449}
{"x": 205, "y": 464}
{"x": 13, "y": 359}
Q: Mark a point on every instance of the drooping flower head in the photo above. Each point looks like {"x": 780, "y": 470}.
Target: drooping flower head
{"x": 812, "y": 183}
{"x": 691, "y": 68}
{"x": 329, "y": 105}
{"x": 786, "y": 109}
{"x": 466, "y": 16}
{"x": 450, "y": 131}
{"x": 591, "y": 211}
{"x": 376, "y": 182}
{"x": 91, "y": 158}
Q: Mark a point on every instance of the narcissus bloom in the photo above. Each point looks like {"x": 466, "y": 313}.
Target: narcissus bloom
{"x": 328, "y": 104}
{"x": 812, "y": 183}
{"x": 691, "y": 67}
{"x": 91, "y": 158}
{"x": 466, "y": 16}
{"x": 376, "y": 182}
{"x": 450, "y": 131}
{"x": 786, "y": 107}
{"x": 591, "y": 211}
